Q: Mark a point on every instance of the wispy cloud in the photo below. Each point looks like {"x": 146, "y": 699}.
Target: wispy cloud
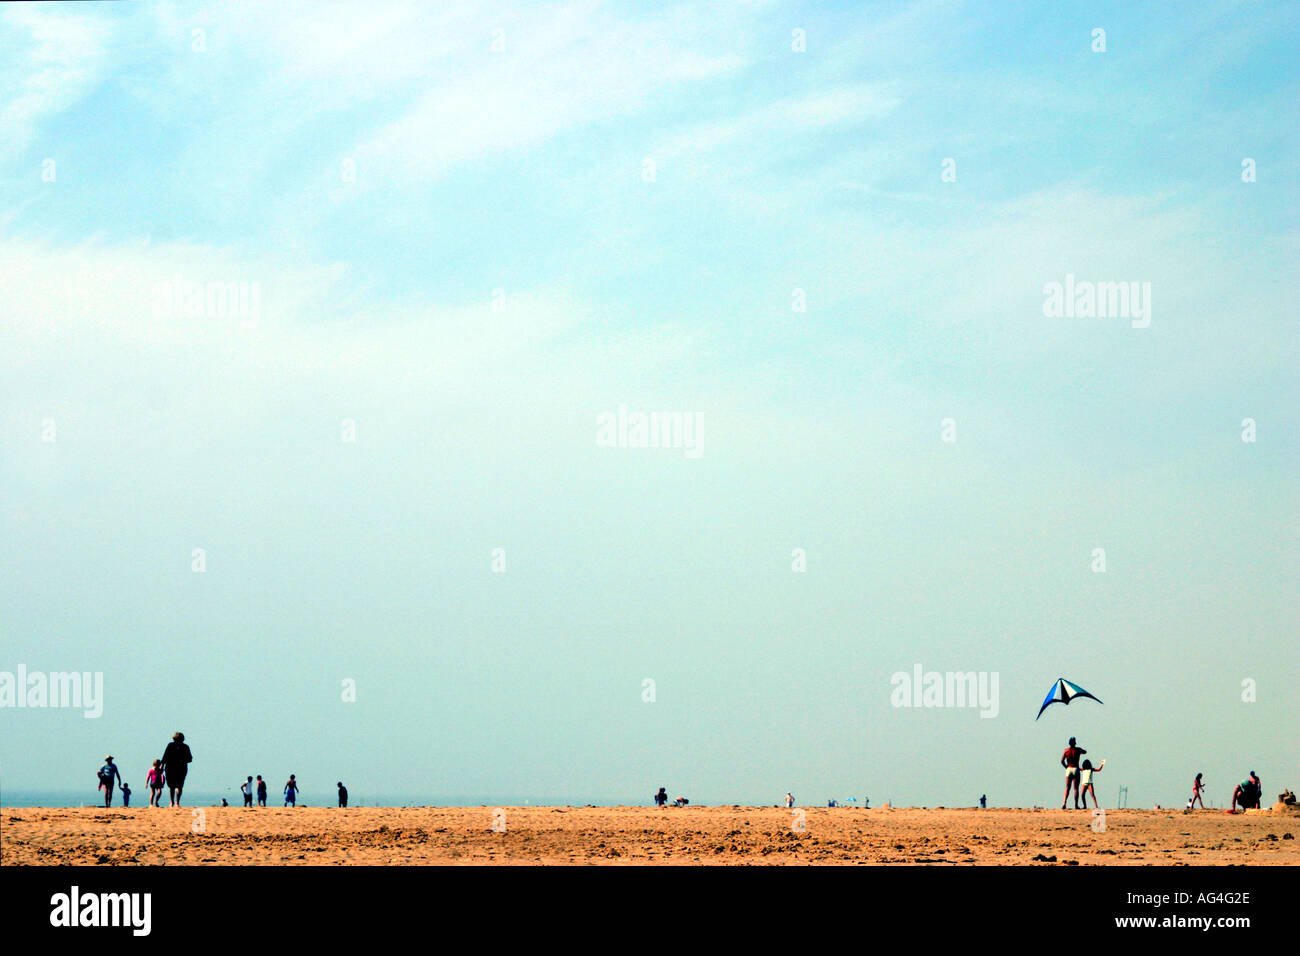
{"x": 54, "y": 59}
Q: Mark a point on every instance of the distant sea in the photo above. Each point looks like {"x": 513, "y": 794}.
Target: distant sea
{"x": 357, "y": 797}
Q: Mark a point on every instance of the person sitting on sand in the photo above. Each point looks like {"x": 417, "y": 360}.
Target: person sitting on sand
{"x": 1198, "y": 786}
{"x": 154, "y": 780}
{"x": 661, "y": 798}
{"x": 1246, "y": 793}
{"x": 176, "y": 760}
{"x": 1070, "y": 761}
{"x": 107, "y": 775}
{"x": 681, "y": 802}
{"x": 291, "y": 792}
{"x": 1085, "y": 781}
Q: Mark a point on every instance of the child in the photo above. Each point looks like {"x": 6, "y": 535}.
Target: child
{"x": 154, "y": 780}
{"x": 126, "y": 794}
{"x": 1085, "y": 781}
{"x": 1197, "y": 787}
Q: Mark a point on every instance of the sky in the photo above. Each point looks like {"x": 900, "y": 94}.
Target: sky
{"x": 459, "y": 234}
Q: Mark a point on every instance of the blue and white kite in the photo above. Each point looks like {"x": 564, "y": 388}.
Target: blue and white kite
{"x": 1062, "y": 692}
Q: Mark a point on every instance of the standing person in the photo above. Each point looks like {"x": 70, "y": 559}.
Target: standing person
{"x": 176, "y": 764}
{"x": 789, "y": 800}
{"x": 1085, "y": 781}
{"x": 1070, "y": 761}
{"x": 1197, "y": 787}
{"x": 261, "y": 791}
{"x": 107, "y": 775}
{"x": 291, "y": 792}
{"x": 983, "y": 801}
{"x": 661, "y": 798}
{"x": 246, "y": 788}
{"x": 126, "y": 794}
{"x": 343, "y": 795}
{"x": 154, "y": 780}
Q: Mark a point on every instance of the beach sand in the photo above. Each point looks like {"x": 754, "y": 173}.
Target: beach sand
{"x": 638, "y": 835}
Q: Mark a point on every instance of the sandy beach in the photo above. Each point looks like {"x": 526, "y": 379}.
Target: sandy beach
{"x": 639, "y": 835}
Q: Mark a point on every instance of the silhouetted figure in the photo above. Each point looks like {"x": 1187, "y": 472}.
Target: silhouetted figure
{"x": 108, "y": 774}
{"x": 1247, "y": 793}
{"x": 343, "y": 795}
{"x": 246, "y": 788}
{"x": 983, "y": 802}
{"x": 661, "y": 798}
{"x": 126, "y": 794}
{"x": 154, "y": 780}
{"x": 176, "y": 764}
{"x": 291, "y": 792}
{"x": 1070, "y": 761}
{"x": 1198, "y": 787}
{"x": 261, "y": 791}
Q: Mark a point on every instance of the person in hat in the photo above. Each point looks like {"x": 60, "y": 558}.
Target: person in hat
{"x": 108, "y": 774}
{"x": 175, "y": 765}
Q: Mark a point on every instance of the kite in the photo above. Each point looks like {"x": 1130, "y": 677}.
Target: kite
{"x": 1062, "y": 692}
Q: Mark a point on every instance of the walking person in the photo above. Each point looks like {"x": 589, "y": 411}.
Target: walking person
{"x": 126, "y": 794}
{"x": 154, "y": 781}
{"x": 176, "y": 761}
{"x": 1198, "y": 788}
{"x": 107, "y": 775}
{"x": 291, "y": 792}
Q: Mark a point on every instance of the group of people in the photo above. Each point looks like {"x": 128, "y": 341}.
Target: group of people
{"x": 291, "y": 788}
{"x": 169, "y": 770}
{"x": 1246, "y": 794}
{"x": 1078, "y": 776}
{"x": 661, "y": 799}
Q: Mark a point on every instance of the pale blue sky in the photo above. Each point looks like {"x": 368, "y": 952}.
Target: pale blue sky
{"x": 521, "y": 170}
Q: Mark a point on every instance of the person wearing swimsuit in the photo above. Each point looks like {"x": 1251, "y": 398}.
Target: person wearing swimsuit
{"x": 1070, "y": 761}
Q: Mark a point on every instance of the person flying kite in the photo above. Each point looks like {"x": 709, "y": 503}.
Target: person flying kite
{"x": 1062, "y": 692}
